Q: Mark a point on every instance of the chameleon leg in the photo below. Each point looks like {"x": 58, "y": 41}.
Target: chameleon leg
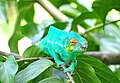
{"x": 55, "y": 55}
{"x": 71, "y": 67}
{"x": 57, "y": 59}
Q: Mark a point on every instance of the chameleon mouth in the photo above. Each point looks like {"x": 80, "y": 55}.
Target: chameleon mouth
{"x": 83, "y": 49}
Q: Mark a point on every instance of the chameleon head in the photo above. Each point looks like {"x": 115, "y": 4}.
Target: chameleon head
{"x": 76, "y": 43}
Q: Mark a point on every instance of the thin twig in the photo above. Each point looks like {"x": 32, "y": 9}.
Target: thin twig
{"x": 7, "y": 54}
{"x": 98, "y": 26}
{"x": 28, "y": 59}
{"x": 33, "y": 59}
{"x": 68, "y": 74}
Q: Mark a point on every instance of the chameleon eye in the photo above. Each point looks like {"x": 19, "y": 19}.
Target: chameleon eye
{"x": 73, "y": 41}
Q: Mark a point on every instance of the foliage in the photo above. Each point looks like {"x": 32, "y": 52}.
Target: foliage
{"x": 88, "y": 69}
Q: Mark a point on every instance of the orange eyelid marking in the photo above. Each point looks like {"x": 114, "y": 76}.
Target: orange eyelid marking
{"x": 73, "y": 41}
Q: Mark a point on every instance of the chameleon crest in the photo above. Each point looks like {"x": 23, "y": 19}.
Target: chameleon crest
{"x": 63, "y": 47}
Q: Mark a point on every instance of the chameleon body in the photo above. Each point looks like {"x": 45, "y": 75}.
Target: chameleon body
{"x": 63, "y": 47}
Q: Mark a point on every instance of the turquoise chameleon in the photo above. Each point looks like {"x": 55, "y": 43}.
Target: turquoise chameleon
{"x": 63, "y": 47}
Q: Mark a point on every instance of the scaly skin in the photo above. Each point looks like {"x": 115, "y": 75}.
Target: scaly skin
{"x": 63, "y": 47}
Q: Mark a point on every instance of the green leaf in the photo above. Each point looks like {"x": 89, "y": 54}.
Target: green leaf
{"x": 51, "y": 80}
{"x": 30, "y": 13}
{"x": 58, "y": 3}
{"x": 81, "y": 18}
{"x": 92, "y": 43}
{"x": 84, "y": 73}
{"x": 2, "y": 58}
{"x": 104, "y": 74}
{"x": 117, "y": 73}
{"x": 8, "y": 70}
{"x": 32, "y": 51}
{"x": 47, "y": 73}
{"x": 67, "y": 9}
{"x": 17, "y": 35}
{"x": 32, "y": 71}
{"x": 29, "y": 29}
{"x": 13, "y": 42}
{"x": 115, "y": 4}
{"x": 102, "y": 7}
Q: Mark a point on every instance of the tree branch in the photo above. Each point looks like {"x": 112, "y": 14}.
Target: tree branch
{"x": 52, "y": 10}
{"x": 7, "y": 54}
{"x": 106, "y": 57}
{"x": 33, "y": 59}
{"x": 99, "y": 26}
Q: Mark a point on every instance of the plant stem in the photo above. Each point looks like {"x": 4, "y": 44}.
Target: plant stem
{"x": 98, "y": 26}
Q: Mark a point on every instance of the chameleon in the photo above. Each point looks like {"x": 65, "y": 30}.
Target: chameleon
{"x": 63, "y": 46}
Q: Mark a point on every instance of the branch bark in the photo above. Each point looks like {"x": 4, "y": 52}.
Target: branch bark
{"x": 7, "y": 54}
{"x": 106, "y": 57}
{"x": 52, "y": 10}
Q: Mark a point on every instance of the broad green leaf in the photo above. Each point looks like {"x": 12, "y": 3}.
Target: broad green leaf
{"x": 92, "y": 43}
{"x": 30, "y": 13}
{"x": 67, "y": 9}
{"x": 23, "y": 65}
{"x": 51, "y": 80}
{"x": 32, "y": 51}
{"x": 115, "y": 4}
{"x": 102, "y": 7}
{"x": 84, "y": 73}
{"x": 13, "y": 42}
{"x": 104, "y": 74}
{"x": 8, "y": 70}
{"x": 32, "y": 71}
{"x": 117, "y": 73}
{"x": 2, "y": 58}
{"x": 17, "y": 35}
{"x": 58, "y": 3}
{"x": 29, "y": 30}
{"x": 46, "y": 74}
{"x": 81, "y": 18}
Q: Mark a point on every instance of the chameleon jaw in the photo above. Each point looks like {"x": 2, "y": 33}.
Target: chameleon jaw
{"x": 70, "y": 48}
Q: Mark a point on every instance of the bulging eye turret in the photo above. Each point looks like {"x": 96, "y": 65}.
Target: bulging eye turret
{"x": 73, "y": 41}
